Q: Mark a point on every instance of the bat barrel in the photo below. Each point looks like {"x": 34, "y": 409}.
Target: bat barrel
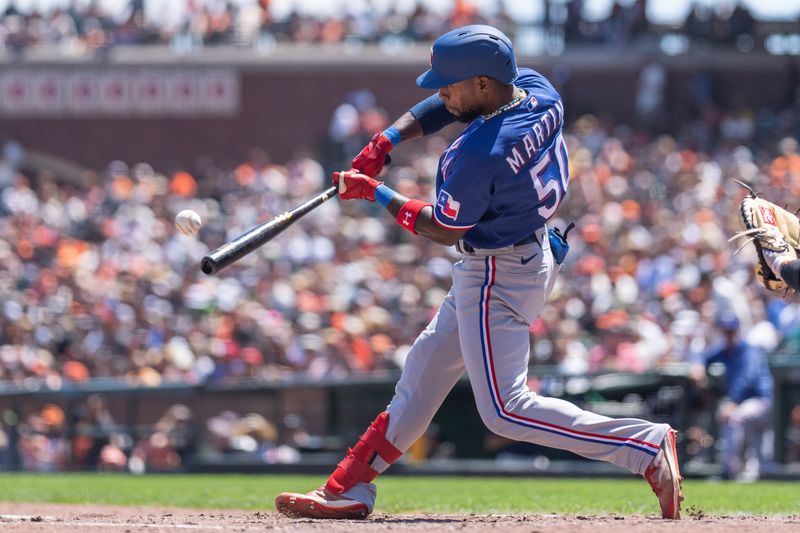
{"x": 257, "y": 236}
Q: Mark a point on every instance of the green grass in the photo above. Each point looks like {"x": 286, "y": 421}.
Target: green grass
{"x": 405, "y": 494}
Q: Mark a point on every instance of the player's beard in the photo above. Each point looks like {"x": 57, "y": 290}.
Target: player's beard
{"x": 468, "y": 115}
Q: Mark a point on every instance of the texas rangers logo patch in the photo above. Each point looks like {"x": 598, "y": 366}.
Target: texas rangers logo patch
{"x": 768, "y": 216}
{"x": 448, "y": 205}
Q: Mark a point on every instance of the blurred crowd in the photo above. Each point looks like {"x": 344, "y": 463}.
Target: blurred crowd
{"x": 85, "y": 25}
{"x": 84, "y": 435}
{"x": 722, "y": 23}
{"x": 96, "y": 282}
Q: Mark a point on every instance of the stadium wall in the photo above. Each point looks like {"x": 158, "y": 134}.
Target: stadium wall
{"x": 283, "y": 102}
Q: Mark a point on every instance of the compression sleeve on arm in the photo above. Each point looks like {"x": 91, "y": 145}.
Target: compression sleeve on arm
{"x": 790, "y": 273}
{"x": 432, "y": 115}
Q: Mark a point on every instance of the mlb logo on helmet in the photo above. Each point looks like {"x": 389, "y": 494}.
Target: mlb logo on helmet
{"x": 448, "y": 205}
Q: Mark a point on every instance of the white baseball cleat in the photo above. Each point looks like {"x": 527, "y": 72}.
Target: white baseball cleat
{"x": 665, "y": 478}
{"x": 320, "y": 503}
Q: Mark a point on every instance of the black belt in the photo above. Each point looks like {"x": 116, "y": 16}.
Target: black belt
{"x": 527, "y": 240}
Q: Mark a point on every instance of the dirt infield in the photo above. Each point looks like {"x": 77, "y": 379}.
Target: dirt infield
{"x": 30, "y": 517}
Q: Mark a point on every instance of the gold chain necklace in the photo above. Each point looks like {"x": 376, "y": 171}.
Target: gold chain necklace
{"x": 513, "y": 103}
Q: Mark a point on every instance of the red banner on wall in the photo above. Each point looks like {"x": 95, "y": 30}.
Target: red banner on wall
{"x": 118, "y": 91}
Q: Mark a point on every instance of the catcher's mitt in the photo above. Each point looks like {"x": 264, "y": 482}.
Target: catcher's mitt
{"x": 775, "y": 233}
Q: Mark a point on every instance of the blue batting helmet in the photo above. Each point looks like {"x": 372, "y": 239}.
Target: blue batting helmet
{"x": 470, "y": 51}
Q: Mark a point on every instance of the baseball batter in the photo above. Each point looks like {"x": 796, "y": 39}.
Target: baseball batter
{"x": 497, "y": 185}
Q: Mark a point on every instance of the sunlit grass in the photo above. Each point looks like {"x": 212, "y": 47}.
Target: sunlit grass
{"x": 404, "y": 494}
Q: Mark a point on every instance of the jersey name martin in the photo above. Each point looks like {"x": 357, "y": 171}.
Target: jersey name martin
{"x": 538, "y": 135}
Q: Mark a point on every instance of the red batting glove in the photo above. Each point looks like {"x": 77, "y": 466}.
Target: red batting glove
{"x": 371, "y": 159}
{"x": 355, "y": 186}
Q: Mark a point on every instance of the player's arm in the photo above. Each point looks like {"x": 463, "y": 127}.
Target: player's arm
{"x": 413, "y": 215}
{"x": 428, "y": 116}
{"x": 417, "y": 217}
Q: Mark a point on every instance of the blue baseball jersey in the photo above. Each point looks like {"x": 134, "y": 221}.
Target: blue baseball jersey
{"x": 503, "y": 178}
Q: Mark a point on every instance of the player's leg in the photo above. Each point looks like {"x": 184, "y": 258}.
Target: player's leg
{"x": 746, "y": 428}
{"x": 432, "y": 368}
{"x": 758, "y": 436}
{"x": 731, "y": 435}
{"x": 497, "y": 300}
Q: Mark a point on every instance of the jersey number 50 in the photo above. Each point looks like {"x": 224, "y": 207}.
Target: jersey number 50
{"x": 550, "y": 178}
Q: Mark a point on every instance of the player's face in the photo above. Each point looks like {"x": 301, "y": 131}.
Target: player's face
{"x": 463, "y": 99}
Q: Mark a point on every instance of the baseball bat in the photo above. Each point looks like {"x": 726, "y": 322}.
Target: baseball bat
{"x": 259, "y": 235}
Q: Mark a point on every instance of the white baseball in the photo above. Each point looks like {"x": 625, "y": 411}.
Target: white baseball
{"x": 188, "y": 222}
